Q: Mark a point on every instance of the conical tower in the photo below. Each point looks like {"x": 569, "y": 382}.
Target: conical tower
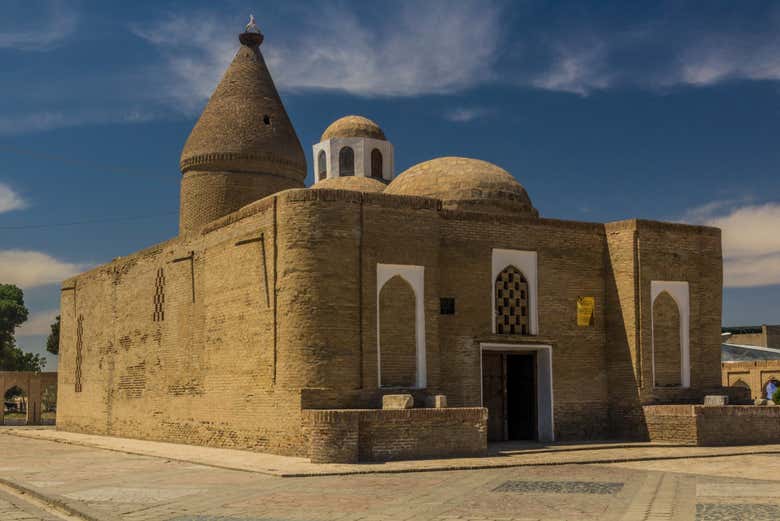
{"x": 243, "y": 147}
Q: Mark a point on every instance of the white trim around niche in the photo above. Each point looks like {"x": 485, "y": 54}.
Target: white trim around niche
{"x": 680, "y": 292}
{"x": 415, "y": 276}
{"x": 525, "y": 261}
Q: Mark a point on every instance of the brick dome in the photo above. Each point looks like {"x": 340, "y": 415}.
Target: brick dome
{"x": 353, "y": 126}
{"x": 465, "y": 184}
{"x": 356, "y": 183}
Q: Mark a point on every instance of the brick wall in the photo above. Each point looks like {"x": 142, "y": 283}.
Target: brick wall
{"x": 671, "y": 423}
{"x": 208, "y": 195}
{"x": 275, "y": 304}
{"x": 640, "y": 252}
{"x": 710, "y": 426}
{"x": 205, "y": 374}
{"x": 737, "y": 425}
{"x": 348, "y": 436}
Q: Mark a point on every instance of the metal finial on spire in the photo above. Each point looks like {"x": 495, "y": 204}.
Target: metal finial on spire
{"x": 251, "y": 37}
{"x": 251, "y": 27}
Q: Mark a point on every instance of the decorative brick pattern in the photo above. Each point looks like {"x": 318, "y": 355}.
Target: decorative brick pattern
{"x": 79, "y": 350}
{"x": 559, "y": 487}
{"x": 159, "y": 296}
{"x": 512, "y": 312}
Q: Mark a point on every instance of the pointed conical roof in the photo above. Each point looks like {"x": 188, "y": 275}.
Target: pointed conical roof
{"x": 244, "y": 126}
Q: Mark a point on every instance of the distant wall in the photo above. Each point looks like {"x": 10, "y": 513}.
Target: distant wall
{"x": 768, "y": 337}
{"x": 33, "y": 385}
{"x": 753, "y": 375}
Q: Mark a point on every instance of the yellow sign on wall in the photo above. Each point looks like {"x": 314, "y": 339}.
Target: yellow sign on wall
{"x": 585, "y": 308}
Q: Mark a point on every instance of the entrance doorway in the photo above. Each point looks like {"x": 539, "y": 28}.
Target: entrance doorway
{"x": 509, "y": 392}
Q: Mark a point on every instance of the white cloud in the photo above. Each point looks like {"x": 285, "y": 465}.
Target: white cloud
{"x": 10, "y": 200}
{"x": 59, "y": 22}
{"x": 578, "y": 69}
{"x": 39, "y": 323}
{"x": 29, "y": 269}
{"x": 717, "y": 59}
{"x": 466, "y": 114}
{"x": 420, "y": 48}
{"x": 12, "y": 125}
{"x": 751, "y": 242}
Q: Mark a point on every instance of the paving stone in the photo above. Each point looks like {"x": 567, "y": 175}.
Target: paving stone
{"x": 114, "y": 486}
{"x": 737, "y": 512}
{"x": 559, "y": 487}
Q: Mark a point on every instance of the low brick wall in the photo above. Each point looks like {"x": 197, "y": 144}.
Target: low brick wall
{"x": 737, "y": 425}
{"x": 671, "y": 423}
{"x": 352, "y": 435}
{"x": 710, "y": 426}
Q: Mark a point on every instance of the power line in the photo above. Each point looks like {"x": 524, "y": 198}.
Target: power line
{"x": 90, "y": 221}
{"x": 75, "y": 162}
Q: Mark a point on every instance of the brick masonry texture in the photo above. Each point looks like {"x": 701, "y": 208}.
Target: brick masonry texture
{"x": 349, "y": 436}
{"x": 272, "y": 310}
{"x": 713, "y": 425}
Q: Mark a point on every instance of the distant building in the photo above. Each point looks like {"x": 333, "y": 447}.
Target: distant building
{"x": 762, "y": 336}
{"x": 750, "y": 358}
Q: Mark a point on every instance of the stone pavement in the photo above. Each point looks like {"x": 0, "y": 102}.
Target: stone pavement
{"x": 115, "y": 486}
{"x": 501, "y": 455}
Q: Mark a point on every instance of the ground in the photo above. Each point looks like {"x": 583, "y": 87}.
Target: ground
{"x": 41, "y": 479}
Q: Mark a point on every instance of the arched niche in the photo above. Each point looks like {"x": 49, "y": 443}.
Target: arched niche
{"x": 414, "y": 277}
{"x": 676, "y": 295}
{"x": 397, "y": 303}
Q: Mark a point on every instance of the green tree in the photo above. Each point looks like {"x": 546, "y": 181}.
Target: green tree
{"x": 53, "y": 342}
{"x": 13, "y": 313}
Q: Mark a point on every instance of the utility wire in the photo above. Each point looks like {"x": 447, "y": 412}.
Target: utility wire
{"x": 91, "y": 221}
{"x": 77, "y": 162}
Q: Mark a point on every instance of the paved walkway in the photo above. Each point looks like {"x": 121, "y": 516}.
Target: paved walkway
{"x": 502, "y": 455}
{"x": 108, "y": 485}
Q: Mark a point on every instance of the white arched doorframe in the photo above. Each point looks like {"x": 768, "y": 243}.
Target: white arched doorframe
{"x": 680, "y": 293}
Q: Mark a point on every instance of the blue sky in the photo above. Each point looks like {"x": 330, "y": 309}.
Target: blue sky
{"x": 602, "y": 110}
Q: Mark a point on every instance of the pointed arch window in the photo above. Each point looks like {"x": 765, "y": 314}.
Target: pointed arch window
{"x": 376, "y": 164}
{"x": 512, "y": 303}
{"x": 346, "y": 161}
{"x": 322, "y": 166}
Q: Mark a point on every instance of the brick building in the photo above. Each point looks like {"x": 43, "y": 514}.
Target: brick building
{"x": 280, "y": 315}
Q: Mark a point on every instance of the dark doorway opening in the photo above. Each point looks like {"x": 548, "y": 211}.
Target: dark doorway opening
{"x": 509, "y": 394}
{"x": 521, "y": 396}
